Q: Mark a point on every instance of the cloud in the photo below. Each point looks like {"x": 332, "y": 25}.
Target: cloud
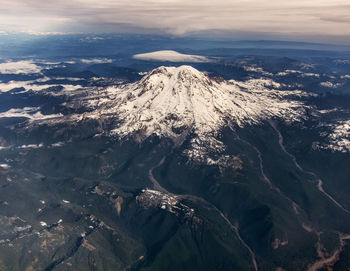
{"x": 337, "y": 19}
{"x": 31, "y": 85}
{"x": 46, "y": 33}
{"x": 31, "y": 113}
{"x": 315, "y": 17}
{"x": 96, "y": 60}
{"x": 19, "y": 67}
{"x": 171, "y": 56}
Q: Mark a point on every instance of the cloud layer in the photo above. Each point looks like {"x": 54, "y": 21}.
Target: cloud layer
{"x": 171, "y": 56}
{"x": 286, "y": 18}
{"x": 19, "y": 67}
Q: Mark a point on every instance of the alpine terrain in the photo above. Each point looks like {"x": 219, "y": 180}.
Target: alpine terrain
{"x": 177, "y": 169}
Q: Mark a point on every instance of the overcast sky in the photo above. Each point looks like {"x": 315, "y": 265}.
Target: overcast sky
{"x": 315, "y": 20}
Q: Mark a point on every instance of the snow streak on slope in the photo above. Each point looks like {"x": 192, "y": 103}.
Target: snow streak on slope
{"x": 174, "y": 102}
{"x": 340, "y": 138}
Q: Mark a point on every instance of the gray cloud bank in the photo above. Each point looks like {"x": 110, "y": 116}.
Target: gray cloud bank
{"x": 304, "y": 18}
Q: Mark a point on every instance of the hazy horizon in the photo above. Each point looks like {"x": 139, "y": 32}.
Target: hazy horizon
{"x": 310, "y": 21}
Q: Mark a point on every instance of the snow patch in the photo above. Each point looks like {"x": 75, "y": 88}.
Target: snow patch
{"x": 340, "y": 137}
{"x": 302, "y": 74}
{"x": 329, "y": 84}
{"x": 31, "y": 146}
{"x": 57, "y": 145}
{"x": 5, "y": 166}
{"x": 257, "y": 70}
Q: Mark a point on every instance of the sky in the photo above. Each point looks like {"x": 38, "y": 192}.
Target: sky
{"x": 309, "y": 20}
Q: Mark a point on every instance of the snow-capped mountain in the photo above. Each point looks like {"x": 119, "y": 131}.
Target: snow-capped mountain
{"x": 175, "y": 101}
{"x": 252, "y": 172}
